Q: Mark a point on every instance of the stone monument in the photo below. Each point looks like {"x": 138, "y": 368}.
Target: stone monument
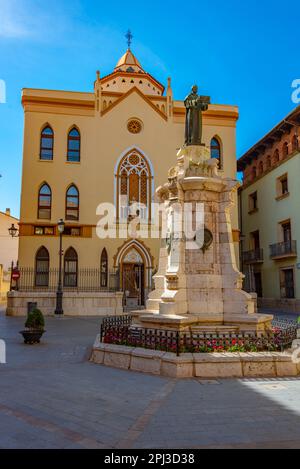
{"x": 198, "y": 285}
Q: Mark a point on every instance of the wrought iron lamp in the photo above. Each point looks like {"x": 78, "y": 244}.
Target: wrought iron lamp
{"x": 13, "y": 231}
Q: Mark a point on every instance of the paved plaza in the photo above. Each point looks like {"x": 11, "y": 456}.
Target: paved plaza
{"x": 51, "y": 396}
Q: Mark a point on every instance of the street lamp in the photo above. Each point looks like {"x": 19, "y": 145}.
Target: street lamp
{"x": 59, "y": 293}
{"x": 13, "y": 231}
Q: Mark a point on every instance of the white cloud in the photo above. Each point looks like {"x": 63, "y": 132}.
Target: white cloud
{"x": 12, "y": 21}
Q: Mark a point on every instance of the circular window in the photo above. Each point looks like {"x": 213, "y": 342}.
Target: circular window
{"x": 134, "y": 126}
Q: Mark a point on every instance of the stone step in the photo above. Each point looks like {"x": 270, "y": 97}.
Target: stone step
{"x": 215, "y": 329}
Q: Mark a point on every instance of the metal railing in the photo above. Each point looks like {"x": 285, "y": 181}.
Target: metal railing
{"x": 255, "y": 255}
{"x": 84, "y": 280}
{"x": 283, "y": 249}
{"x": 114, "y": 331}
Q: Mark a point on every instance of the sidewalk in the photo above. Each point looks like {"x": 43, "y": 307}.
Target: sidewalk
{"x": 52, "y": 397}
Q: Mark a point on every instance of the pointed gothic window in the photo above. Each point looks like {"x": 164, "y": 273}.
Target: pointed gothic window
{"x": 104, "y": 268}
{"x": 134, "y": 182}
{"x": 46, "y": 144}
{"x": 72, "y": 203}
{"x": 42, "y": 267}
{"x": 70, "y": 268}
{"x": 276, "y": 156}
{"x": 295, "y": 143}
{"x": 73, "y": 145}
{"x": 215, "y": 151}
{"x": 285, "y": 150}
{"x": 44, "y": 202}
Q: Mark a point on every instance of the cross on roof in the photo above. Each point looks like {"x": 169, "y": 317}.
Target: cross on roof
{"x": 129, "y": 38}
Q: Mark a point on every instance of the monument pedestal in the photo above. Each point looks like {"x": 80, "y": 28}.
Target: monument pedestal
{"x": 198, "y": 286}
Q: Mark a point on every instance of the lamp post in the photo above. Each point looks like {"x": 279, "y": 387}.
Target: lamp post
{"x": 14, "y": 273}
{"x": 59, "y": 293}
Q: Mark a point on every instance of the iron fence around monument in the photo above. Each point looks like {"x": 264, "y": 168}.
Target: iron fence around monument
{"x": 82, "y": 280}
{"x": 119, "y": 330}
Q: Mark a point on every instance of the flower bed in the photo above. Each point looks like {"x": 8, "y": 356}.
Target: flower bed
{"x": 187, "y": 342}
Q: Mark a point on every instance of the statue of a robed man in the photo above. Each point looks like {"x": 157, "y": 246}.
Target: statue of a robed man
{"x": 194, "y": 105}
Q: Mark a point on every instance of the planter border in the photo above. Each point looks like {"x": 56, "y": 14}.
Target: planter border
{"x": 197, "y": 365}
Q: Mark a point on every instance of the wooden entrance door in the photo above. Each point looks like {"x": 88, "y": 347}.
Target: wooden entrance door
{"x": 133, "y": 283}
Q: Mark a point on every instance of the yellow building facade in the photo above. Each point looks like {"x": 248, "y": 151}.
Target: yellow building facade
{"x": 269, "y": 214}
{"x": 113, "y": 145}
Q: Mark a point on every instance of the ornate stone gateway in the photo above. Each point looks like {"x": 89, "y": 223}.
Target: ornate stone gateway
{"x": 132, "y": 269}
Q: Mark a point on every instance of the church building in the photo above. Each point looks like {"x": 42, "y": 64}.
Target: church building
{"x": 113, "y": 145}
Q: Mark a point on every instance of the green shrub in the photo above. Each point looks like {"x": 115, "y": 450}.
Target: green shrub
{"x": 35, "y": 320}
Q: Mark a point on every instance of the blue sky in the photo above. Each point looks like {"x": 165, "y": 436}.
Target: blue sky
{"x": 245, "y": 53}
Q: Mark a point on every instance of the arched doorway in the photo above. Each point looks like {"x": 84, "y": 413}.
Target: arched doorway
{"x": 135, "y": 266}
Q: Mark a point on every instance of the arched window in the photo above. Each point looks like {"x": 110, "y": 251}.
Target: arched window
{"x": 42, "y": 267}
{"x": 276, "y": 156}
{"x": 134, "y": 186}
{"x": 254, "y": 173}
{"x": 70, "y": 268}
{"x": 215, "y": 150}
{"x": 73, "y": 145}
{"x": 260, "y": 168}
{"x": 72, "y": 203}
{"x": 46, "y": 144}
{"x": 44, "y": 202}
{"x": 285, "y": 150}
{"x": 295, "y": 143}
{"x": 104, "y": 268}
{"x": 269, "y": 161}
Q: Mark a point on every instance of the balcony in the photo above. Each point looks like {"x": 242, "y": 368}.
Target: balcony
{"x": 254, "y": 256}
{"x": 283, "y": 250}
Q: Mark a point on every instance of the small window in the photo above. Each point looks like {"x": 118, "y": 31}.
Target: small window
{"x": 44, "y": 203}
{"x": 72, "y": 203}
{"x": 269, "y": 162}
{"x": 260, "y": 168}
{"x": 215, "y": 150}
{"x": 253, "y": 173}
{"x": 72, "y": 231}
{"x": 282, "y": 185}
{"x": 44, "y": 230}
{"x": 73, "y": 145}
{"x": 46, "y": 144}
{"x": 253, "y": 202}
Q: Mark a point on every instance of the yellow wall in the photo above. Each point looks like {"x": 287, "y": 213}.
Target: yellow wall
{"x": 104, "y": 138}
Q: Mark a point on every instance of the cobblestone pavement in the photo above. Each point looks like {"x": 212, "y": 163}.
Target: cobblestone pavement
{"x": 51, "y": 396}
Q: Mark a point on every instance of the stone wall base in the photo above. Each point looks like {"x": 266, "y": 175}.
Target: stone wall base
{"x": 200, "y": 365}
{"x": 290, "y": 305}
{"x": 74, "y": 303}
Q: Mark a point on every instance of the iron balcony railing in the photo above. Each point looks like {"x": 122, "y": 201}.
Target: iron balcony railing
{"x": 83, "y": 280}
{"x": 286, "y": 248}
{"x": 255, "y": 255}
